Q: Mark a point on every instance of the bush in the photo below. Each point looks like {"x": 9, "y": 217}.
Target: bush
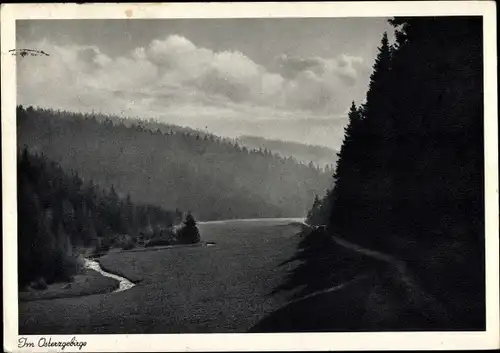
{"x": 161, "y": 238}
{"x": 158, "y": 242}
{"x": 39, "y": 284}
{"x": 102, "y": 246}
{"x": 125, "y": 242}
{"x": 128, "y": 246}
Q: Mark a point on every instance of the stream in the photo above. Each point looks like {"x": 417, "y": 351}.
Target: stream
{"x": 124, "y": 283}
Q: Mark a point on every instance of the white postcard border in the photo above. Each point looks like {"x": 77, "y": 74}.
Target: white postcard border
{"x": 251, "y": 342}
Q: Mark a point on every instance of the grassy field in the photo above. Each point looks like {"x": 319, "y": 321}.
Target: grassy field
{"x": 222, "y": 288}
{"x": 86, "y": 283}
{"x": 260, "y": 276}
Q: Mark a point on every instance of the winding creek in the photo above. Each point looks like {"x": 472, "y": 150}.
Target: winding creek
{"x": 222, "y": 285}
{"x": 124, "y": 283}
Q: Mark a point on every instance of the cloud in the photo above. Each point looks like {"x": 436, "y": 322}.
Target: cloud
{"x": 316, "y": 83}
{"x": 290, "y": 67}
{"x": 171, "y": 76}
{"x": 342, "y": 67}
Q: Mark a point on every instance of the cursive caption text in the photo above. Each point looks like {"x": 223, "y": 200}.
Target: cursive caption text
{"x": 24, "y": 342}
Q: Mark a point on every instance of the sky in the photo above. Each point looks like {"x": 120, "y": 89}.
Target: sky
{"x": 286, "y": 79}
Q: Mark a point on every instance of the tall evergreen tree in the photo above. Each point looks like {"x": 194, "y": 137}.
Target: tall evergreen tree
{"x": 189, "y": 233}
{"x": 409, "y": 180}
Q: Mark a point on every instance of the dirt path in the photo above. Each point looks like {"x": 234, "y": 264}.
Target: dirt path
{"x": 399, "y": 271}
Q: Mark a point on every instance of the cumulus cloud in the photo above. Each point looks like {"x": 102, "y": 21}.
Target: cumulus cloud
{"x": 342, "y": 67}
{"x": 290, "y": 67}
{"x": 316, "y": 83}
{"x": 173, "y": 75}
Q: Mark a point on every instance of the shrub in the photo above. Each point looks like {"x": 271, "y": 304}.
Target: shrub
{"x": 102, "y": 246}
{"x": 39, "y": 284}
{"x": 158, "y": 242}
{"x": 163, "y": 237}
{"x": 125, "y": 242}
{"x": 128, "y": 246}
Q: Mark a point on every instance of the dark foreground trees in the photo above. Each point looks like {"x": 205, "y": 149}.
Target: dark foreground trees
{"x": 409, "y": 179}
{"x": 59, "y": 213}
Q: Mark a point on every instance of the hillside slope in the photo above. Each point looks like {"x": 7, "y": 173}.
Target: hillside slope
{"x": 209, "y": 176}
{"x": 319, "y": 155}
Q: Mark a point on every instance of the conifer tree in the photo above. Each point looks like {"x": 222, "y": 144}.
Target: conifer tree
{"x": 189, "y": 233}
{"x": 410, "y": 175}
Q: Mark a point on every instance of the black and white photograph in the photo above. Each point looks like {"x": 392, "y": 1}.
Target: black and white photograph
{"x": 273, "y": 174}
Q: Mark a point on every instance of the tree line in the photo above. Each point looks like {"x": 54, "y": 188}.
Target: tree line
{"x": 321, "y": 156}
{"x": 59, "y": 213}
{"x": 409, "y": 180}
{"x": 173, "y": 167}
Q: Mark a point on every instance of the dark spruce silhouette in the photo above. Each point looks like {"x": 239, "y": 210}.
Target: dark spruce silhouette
{"x": 408, "y": 189}
{"x": 189, "y": 233}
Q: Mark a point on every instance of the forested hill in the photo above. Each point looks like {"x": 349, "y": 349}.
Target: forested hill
{"x": 59, "y": 213}
{"x": 318, "y": 155}
{"x": 211, "y": 177}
